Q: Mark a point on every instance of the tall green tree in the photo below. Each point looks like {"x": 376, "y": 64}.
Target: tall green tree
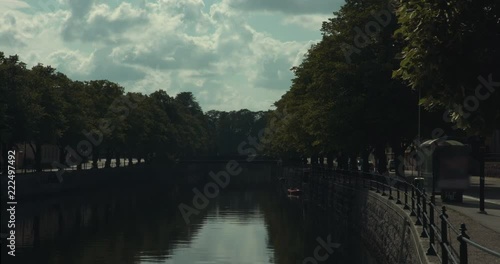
{"x": 451, "y": 53}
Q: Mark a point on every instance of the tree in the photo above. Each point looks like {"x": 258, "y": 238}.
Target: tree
{"x": 19, "y": 108}
{"x": 138, "y": 127}
{"x": 348, "y": 105}
{"x": 48, "y": 125}
{"x": 76, "y": 106}
{"x": 451, "y": 55}
{"x": 106, "y": 117}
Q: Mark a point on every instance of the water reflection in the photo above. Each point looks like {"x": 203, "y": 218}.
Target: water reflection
{"x": 238, "y": 226}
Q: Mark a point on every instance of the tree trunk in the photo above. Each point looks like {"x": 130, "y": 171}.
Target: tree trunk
{"x": 109, "y": 155}
{"x": 343, "y": 161}
{"x": 381, "y": 159}
{"x": 365, "y": 165}
{"x": 118, "y": 161}
{"x": 62, "y": 155}
{"x": 314, "y": 159}
{"x": 354, "y": 162}
{"x": 329, "y": 160}
{"x": 95, "y": 158}
{"x": 38, "y": 157}
{"x": 399, "y": 167}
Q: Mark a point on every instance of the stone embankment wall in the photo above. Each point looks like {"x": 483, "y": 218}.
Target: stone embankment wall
{"x": 386, "y": 229}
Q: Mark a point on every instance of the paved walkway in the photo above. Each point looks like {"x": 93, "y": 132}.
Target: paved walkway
{"x": 482, "y": 228}
{"x": 470, "y": 206}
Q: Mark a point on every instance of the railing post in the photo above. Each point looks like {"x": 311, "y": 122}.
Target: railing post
{"x": 419, "y": 211}
{"x": 444, "y": 236}
{"x": 398, "y": 199}
{"x": 463, "y": 245}
{"x": 371, "y": 180}
{"x": 383, "y": 188}
{"x": 406, "y": 207}
{"x": 424, "y": 216}
{"x": 412, "y": 201}
{"x": 368, "y": 182}
{"x": 431, "y": 251}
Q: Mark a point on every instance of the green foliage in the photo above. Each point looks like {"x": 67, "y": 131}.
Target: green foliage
{"x": 41, "y": 106}
{"x": 448, "y": 46}
{"x": 230, "y": 129}
{"x": 351, "y": 93}
{"x": 348, "y": 100}
{"x": 338, "y": 104}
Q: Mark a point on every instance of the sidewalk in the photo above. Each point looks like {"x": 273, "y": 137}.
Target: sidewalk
{"x": 482, "y": 228}
{"x": 470, "y": 208}
{"x": 470, "y": 205}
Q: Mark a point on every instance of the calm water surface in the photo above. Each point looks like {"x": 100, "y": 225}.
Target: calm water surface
{"x": 145, "y": 226}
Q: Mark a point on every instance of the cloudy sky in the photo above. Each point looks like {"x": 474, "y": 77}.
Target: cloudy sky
{"x": 231, "y": 54}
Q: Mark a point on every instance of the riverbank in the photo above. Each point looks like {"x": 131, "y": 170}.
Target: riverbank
{"x": 33, "y": 185}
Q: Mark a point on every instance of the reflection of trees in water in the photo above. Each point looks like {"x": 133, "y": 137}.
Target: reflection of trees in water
{"x": 125, "y": 224}
{"x": 121, "y": 227}
{"x": 294, "y": 227}
{"x": 285, "y": 225}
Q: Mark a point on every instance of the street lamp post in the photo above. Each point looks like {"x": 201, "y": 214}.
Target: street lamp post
{"x": 418, "y": 127}
{"x": 482, "y": 151}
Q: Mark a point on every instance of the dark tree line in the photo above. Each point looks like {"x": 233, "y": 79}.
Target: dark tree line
{"x": 357, "y": 90}
{"x": 97, "y": 119}
{"x": 234, "y": 127}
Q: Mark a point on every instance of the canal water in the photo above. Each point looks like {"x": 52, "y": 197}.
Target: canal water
{"x": 144, "y": 225}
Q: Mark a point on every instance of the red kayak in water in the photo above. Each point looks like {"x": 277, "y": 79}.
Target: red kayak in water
{"x": 294, "y": 191}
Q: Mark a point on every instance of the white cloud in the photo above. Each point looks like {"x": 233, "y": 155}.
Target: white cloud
{"x": 312, "y": 22}
{"x": 287, "y": 6}
{"x": 13, "y": 4}
{"x": 75, "y": 62}
{"x": 101, "y": 23}
{"x": 174, "y": 45}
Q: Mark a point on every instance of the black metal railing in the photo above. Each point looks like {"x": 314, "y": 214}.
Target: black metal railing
{"x": 419, "y": 204}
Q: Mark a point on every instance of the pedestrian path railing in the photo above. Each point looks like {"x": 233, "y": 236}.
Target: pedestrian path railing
{"x": 434, "y": 221}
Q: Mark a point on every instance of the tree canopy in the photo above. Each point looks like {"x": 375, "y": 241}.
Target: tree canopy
{"x": 357, "y": 91}
{"x": 451, "y": 53}
{"x": 352, "y": 94}
{"x": 98, "y": 119}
